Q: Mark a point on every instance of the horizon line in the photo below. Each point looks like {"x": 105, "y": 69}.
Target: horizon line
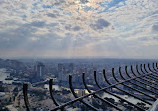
{"x": 78, "y": 58}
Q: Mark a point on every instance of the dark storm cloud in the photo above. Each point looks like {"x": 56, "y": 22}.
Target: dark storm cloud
{"x": 100, "y": 24}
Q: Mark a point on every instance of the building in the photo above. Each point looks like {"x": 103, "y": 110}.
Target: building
{"x": 71, "y": 67}
{"x": 81, "y": 92}
{"x": 100, "y": 78}
{"x": 62, "y": 76}
{"x": 62, "y": 73}
{"x": 39, "y": 70}
{"x": 61, "y": 67}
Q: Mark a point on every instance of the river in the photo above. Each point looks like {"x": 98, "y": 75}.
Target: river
{"x": 131, "y": 99}
{"x": 56, "y": 87}
{"x": 4, "y": 75}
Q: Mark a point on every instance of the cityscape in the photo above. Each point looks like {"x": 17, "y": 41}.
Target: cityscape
{"x": 14, "y": 73}
{"x": 78, "y": 55}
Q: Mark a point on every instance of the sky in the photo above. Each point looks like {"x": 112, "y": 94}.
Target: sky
{"x": 79, "y": 28}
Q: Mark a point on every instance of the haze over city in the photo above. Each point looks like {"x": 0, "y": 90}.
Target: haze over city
{"x": 79, "y": 28}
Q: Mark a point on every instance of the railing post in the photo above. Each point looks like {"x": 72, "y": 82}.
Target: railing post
{"x": 25, "y": 89}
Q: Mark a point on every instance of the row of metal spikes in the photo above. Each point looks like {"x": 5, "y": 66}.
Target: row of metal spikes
{"x": 143, "y": 77}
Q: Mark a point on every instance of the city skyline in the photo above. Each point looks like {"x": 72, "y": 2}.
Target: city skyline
{"x": 79, "y": 29}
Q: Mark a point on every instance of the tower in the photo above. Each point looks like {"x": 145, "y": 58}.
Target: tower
{"x": 39, "y": 70}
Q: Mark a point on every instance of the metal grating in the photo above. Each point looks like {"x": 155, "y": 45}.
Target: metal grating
{"x": 145, "y": 76}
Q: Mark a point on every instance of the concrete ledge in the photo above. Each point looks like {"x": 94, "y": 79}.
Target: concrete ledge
{"x": 154, "y": 107}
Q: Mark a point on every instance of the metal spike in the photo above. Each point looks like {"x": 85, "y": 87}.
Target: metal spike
{"x": 25, "y": 88}
{"x": 121, "y": 74}
{"x": 143, "y": 72}
{"x": 134, "y": 88}
{"x": 143, "y": 79}
{"x": 96, "y": 96}
{"x": 104, "y": 74}
{"x": 113, "y": 74}
{"x": 145, "y": 69}
{"x": 140, "y": 85}
{"x": 149, "y": 67}
{"x": 128, "y": 92}
{"x": 155, "y": 75}
{"x": 137, "y": 70}
{"x": 141, "y": 69}
{"x": 115, "y": 94}
{"x": 152, "y": 78}
{"x": 126, "y": 72}
{"x": 50, "y": 91}
{"x": 133, "y": 71}
{"x": 74, "y": 94}
{"x": 154, "y": 67}
{"x": 145, "y": 76}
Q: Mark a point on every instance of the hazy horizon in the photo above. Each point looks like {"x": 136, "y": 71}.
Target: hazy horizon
{"x": 84, "y": 57}
{"x": 74, "y": 58}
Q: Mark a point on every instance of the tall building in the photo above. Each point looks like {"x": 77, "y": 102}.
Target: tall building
{"x": 100, "y": 78}
{"x": 71, "y": 67}
{"x": 62, "y": 77}
{"x": 61, "y": 67}
{"x": 62, "y": 73}
{"x": 39, "y": 70}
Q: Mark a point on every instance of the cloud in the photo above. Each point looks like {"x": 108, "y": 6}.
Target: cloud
{"x": 73, "y": 28}
{"x": 84, "y": 1}
{"x": 13, "y": 38}
{"x": 38, "y": 23}
{"x": 51, "y": 15}
{"x": 155, "y": 28}
{"x": 76, "y": 28}
{"x": 100, "y": 24}
{"x": 70, "y": 28}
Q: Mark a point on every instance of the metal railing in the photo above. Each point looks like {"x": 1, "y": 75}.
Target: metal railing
{"x": 145, "y": 76}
